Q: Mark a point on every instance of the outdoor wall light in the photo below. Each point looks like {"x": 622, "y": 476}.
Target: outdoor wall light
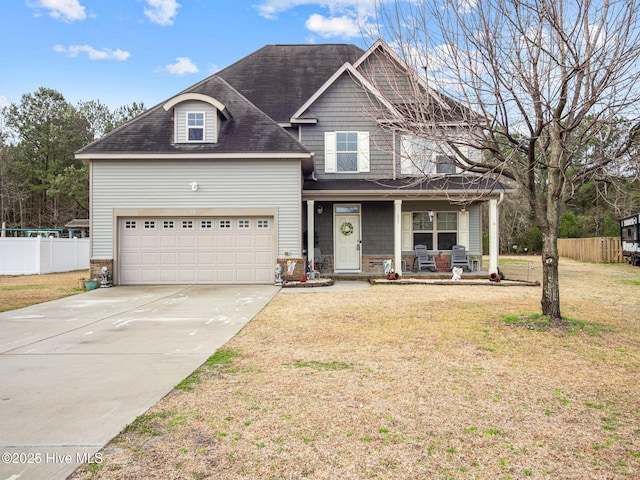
{"x": 319, "y": 209}
{"x": 194, "y": 186}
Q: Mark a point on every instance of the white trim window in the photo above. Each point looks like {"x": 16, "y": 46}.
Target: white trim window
{"x": 415, "y": 155}
{"x": 420, "y": 156}
{"x": 446, "y": 229}
{"x": 346, "y": 152}
{"x": 195, "y": 126}
{"x": 436, "y": 230}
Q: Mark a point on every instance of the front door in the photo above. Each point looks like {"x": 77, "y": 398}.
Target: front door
{"x": 347, "y": 238}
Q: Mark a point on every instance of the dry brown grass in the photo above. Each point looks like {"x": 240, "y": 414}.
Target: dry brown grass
{"x": 409, "y": 382}
{"x": 17, "y": 291}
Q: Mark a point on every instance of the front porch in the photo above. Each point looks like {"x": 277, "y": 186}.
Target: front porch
{"x": 360, "y": 237}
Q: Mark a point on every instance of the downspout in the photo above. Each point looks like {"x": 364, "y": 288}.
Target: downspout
{"x": 394, "y": 155}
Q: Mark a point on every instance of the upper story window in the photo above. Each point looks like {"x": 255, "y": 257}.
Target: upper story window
{"x": 195, "y": 126}
{"x": 346, "y": 152}
{"x": 444, "y": 164}
{"x": 419, "y": 156}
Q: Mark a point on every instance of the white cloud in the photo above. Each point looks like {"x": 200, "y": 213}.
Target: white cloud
{"x": 183, "y": 66}
{"x": 66, "y": 10}
{"x": 271, "y": 8}
{"x": 346, "y": 18}
{"x": 161, "y": 12}
{"x": 92, "y": 53}
{"x": 4, "y": 102}
{"x": 343, "y": 26}
{"x": 467, "y": 6}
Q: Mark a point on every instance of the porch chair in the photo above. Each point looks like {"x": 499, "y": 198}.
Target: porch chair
{"x": 318, "y": 259}
{"x": 424, "y": 259}
{"x": 459, "y": 258}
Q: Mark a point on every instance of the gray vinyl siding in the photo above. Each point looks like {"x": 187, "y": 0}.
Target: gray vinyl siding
{"x": 377, "y": 228}
{"x": 345, "y": 107}
{"x": 221, "y": 184}
{"x": 210, "y": 120}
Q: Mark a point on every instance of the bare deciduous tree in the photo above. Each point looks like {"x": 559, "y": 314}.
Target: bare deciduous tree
{"x": 542, "y": 88}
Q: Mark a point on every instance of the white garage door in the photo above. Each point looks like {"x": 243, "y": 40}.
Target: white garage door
{"x": 196, "y": 250}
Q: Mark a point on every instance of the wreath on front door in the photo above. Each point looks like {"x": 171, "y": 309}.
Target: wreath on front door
{"x": 346, "y": 229}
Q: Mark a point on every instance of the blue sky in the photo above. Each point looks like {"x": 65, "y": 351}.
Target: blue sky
{"x": 125, "y": 51}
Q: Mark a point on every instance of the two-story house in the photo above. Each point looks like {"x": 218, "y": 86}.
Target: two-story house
{"x": 226, "y": 179}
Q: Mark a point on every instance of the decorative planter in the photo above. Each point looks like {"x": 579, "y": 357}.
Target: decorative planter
{"x": 442, "y": 263}
{"x": 91, "y": 284}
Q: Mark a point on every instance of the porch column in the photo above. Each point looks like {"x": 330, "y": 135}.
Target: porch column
{"x": 311, "y": 227}
{"x": 493, "y": 235}
{"x": 397, "y": 236}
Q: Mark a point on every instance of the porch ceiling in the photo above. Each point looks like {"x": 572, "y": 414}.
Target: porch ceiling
{"x": 452, "y": 188}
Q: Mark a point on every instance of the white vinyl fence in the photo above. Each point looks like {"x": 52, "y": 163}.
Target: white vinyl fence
{"x": 28, "y": 256}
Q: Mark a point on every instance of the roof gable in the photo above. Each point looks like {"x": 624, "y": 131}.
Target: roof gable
{"x": 407, "y": 90}
{"x": 347, "y": 69}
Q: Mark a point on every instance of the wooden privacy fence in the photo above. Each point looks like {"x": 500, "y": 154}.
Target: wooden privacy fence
{"x": 596, "y": 250}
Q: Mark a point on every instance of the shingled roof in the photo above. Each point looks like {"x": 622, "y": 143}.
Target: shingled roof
{"x": 265, "y": 87}
{"x": 249, "y": 130}
{"x": 278, "y": 79}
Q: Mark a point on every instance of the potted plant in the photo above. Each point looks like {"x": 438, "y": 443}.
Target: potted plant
{"x": 442, "y": 262}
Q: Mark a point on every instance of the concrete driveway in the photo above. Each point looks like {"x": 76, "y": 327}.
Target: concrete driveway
{"x": 75, "y": 371}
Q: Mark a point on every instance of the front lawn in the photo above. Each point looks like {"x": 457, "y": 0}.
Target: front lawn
{"x": 410, "y": 382}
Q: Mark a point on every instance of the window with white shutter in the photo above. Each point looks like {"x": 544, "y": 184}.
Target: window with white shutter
{"x": 346, "y": 152}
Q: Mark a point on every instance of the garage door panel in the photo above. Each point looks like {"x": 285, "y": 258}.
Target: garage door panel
{"x": 168, "y": 258}
{"x": 206, "y": 240}
{"x": 225, "y": 240}
{"x": 264, "y": 275}
{"x": 196, "y": 250}
{"x": 148, "y": 258}
{"x": 187, "y": 276}
{"x": 206, "y": 258}
{"x": 187, "y": 241}
{"x": 224, "y": 257}
{"x": 263, "y": 259}
{"x": 129, "y": 258}
{"x": 244, "y": 275}
{"x": 187, "y": 258}
{"x": 244, "y": 258}
{"x": 148, "y": 242}
{"x": 206, "y": 275}
{"x": 150, "y": 276}
{"x": 168, "y": 241}
{"x": 263, "y": 241}
{"x": 224, "y": 275}
{"x": 244, "y": 241}
{"x": 168, "y": 275}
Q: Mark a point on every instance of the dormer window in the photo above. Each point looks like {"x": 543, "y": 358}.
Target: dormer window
{"x": 197, "y": 118}
{"x": 195, "y": 126}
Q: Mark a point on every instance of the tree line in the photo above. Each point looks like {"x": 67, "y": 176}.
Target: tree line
{"x": 42, "y": 185}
